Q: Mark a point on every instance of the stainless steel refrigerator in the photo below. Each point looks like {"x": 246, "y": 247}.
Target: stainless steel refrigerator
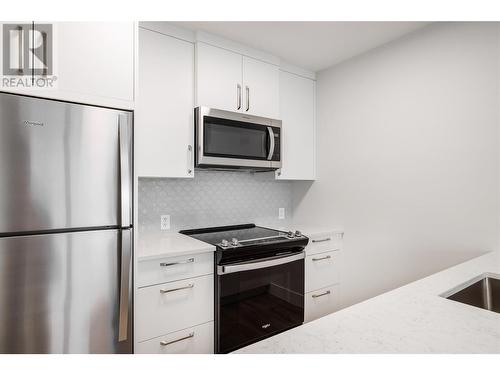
{"x": 65, "y": 227}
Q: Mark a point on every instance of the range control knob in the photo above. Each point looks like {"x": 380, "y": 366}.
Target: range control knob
{"x": 298, "y": 233}
{"x": 224, "y": 243}
{"x": 234, "y": 242}
{"x": 290, "y": 234}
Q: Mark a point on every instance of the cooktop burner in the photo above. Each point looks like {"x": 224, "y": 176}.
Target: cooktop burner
{"x": 247, "y": 240}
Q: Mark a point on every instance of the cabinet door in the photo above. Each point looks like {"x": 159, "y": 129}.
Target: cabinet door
{"x": 96, "y": 58}
{"x": 170, "y": 307}
{"x": 321, "y": 302}
{"x": 261, "y": 88}
{"x": 164, "y": 115}
{"x": 194, "y": 340}
{"x": 93, "y": 62}
{"x": 297, "y": 102}
{"x": 218, "y": 77}
{"x": 322, "y": 270}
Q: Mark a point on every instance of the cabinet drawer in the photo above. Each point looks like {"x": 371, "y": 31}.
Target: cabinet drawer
{"x": 320, "y": 243}
{"x": 321, "y": 302}
{"x": 322, "y": 270}
{"x": 170, "y": 307}
{"x": 194, "y": 340}
{"x": 157, "y": 271}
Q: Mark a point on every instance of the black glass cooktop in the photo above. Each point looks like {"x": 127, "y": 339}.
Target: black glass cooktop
{"x": 248, "y": 241}
{"x": 245, "y": 234}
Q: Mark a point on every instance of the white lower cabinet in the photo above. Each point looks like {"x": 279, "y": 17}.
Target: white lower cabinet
{"x": 194, "y": 340}
{"x": 321, "y": 302}
{"x": 175, "y": 316}
{"x": 173, "y": 306}
{"x": 322, "y": 269}
{"x": 163, "y": 270}
{"x": 322, "y": 274}
{"x": 323, "y": 242}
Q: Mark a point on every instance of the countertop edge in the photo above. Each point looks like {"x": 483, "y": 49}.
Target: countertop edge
{"x": 208, "y": 249}
{"x": 171, "y": 245}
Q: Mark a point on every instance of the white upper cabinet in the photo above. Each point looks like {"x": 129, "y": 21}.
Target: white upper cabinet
{"x": 261, "y": 88}
{"x": 164, "y": 114}
{"x": 218, "y": 77}
{"x": 96, "y": 58}
{"x": 93, "y": 62}
{"x": 297, "y": 107}
{"x": 230, "y": 81}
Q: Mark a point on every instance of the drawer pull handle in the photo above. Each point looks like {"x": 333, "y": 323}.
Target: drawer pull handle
{"x": 323, "y": 258}
{"x": 322, "y": 294}
{"x": 189, "y": 286}
{"x": 323, "y": 240}
{"x": 165, "y": 343}
{"x": 190, "y": 260}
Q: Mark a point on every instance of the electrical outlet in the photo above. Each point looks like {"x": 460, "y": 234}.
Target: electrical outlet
{"x": 165, "y": 222}
{"x": 281, "y": 213}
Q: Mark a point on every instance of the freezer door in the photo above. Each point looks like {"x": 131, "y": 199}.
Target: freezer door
{"x": 61, "y": 293}
{"x": 63, "y": 165}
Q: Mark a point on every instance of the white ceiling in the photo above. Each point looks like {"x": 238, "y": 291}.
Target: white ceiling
{"x": 310, "y": 45}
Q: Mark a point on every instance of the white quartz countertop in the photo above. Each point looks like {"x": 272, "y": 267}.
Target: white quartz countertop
{"x": 158, "y": 244}
{"x": 410, "y": 319}
{"x": 153, "y": 246}
{"x": 312, "y": 230}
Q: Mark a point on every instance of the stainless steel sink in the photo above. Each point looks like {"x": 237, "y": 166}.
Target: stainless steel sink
{"x": 483, "y": 291}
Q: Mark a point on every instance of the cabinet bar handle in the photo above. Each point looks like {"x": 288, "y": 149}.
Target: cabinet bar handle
{"x": 238, "y": 95}
{"x": 323, "y": 240}
{"x": 165, "y": 343}
{"x": 190, "y": 164}
{"x": 322, "y": 294}
{"x": 248, "y": 97}
{"x": 190, "y": 260}
{"x": 323, "y": 258}
{"x": 164, "y": 291}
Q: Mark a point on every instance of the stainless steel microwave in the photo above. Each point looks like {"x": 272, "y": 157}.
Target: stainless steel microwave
{"x": 232, "y": 140}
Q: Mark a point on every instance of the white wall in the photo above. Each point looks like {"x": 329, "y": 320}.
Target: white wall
{"x": 408, "y": 156}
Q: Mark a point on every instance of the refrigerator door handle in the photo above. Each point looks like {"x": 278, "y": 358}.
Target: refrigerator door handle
{"x": 126, "y": 251}
{"x": 124, "y": 135}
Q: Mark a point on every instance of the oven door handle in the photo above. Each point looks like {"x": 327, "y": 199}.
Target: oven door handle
{"x": 255, "y": 265}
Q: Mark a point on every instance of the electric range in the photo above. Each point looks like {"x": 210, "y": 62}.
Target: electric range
{"x": 259, "y": 282}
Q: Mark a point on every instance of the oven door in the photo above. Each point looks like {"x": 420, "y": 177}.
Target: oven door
{"x": 235, "y": 140}
{"x": 258, "y": 299}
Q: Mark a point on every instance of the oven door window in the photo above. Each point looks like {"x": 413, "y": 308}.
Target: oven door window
{"x": 234, "y": 139}
{"x": 259, "y": 303}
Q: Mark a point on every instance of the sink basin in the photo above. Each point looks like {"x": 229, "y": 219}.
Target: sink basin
{"x": 483, "y": 291}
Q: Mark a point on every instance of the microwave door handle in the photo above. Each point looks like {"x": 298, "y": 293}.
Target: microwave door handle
{"x": 271, "y": 143}
{"x": 255, "y": 265}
